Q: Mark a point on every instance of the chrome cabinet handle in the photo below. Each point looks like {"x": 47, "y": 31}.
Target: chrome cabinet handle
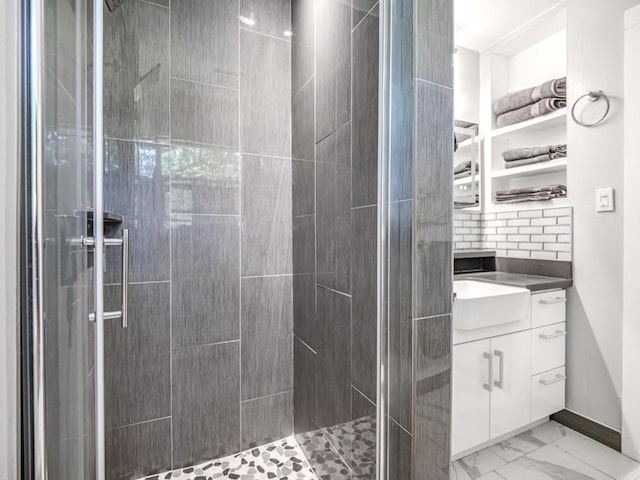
{"x": 500, "y": 382}
{"x": 556, "y": 379}
{"x": 551, "y": 302}
{"x": 125, "y": 278}
{"x": 549, "y": 336}
{"x": 489, "y": 386}
{"x": 112, "y": 242}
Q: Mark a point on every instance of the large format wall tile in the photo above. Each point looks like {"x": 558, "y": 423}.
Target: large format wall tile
{"x": 204, "y": 41}
{"x": 205, "y": 279}
{"x": 204, "y": 180}
{"x": 138, "y": 358}
{"x": 136, "y": 185}
{"x": 360, "y": 9}
{"x": 304, "y": 391}
{"x": 267, "y": 336}
{"x": 433, "y": 201}
{"x": 432, "y": 346}
{"x": 266, "y": 216}
{"x": 136, "y": 72}
{"x": 433, "y": 41}
{"x": 399, "y": 452}
{"x": 365, "y": 112}
{"x": 206, "y": 403}
{"x": 333, "y": 66}
{"x": 302, "y": 42}
{"x": 302, "y": 123}
{"x": 265, "y": 95}
{"x": 334, "y": 357}
{"x": 266, "y": 419}
{"x": 304, "y": 242}
{"x": 333, "y": 217}
{"x": 138, "y": 450}
{"x": 203, "y": 113}
{"x": 272, "y": 17}
{"x": 399, "y": 314}
{"x": 364, "y": 319}
{"x": 304, "y": 308}
{"x": 303, "y": 191}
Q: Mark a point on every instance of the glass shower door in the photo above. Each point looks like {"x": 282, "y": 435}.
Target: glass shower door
{"x": 60, "y": 270}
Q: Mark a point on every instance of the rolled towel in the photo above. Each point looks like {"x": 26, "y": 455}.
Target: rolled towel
{"x": 538, "y": 109}
{"x": 528, "y": 96}
{"x": 532, "y": 152}
{"x": 530, "y": 161}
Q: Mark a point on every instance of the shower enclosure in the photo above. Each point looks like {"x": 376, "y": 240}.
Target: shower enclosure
{"x": 233, "y": 243}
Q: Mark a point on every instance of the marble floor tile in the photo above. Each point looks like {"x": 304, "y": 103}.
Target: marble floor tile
{"x": 517, "y": 446}
{"x": 480, "y": 463}
{"x": 491, "y": 476}
{"x": 457, "y": 472}
{"x": 548, "y": 432}
{"x": 600, "y": 457}
{"x": 549, "y": 463}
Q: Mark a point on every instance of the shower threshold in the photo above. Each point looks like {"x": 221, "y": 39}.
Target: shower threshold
{"x": 282, "y": 459}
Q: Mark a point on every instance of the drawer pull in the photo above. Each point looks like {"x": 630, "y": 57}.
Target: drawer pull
{"x": 558, "y": 378}
{"x": 552, "y": 301}
{"x": 500, "y": 383}
{"x": 549, "y": 336}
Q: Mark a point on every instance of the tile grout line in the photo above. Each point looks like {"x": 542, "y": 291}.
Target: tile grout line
{"x": 170, "y": 256}
{"x": 240, "y": 192}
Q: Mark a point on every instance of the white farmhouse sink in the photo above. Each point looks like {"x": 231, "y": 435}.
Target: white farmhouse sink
{"x": 481, "y": 304}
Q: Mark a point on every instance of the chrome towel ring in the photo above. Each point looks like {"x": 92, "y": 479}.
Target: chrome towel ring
{"x": 592, "y": 96}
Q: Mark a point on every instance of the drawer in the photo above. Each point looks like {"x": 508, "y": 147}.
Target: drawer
{"x": 548, "y": 347}
{"x": 548, "y": 308}
{"x": 547, "y": 393}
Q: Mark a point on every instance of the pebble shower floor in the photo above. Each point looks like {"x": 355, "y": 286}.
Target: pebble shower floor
{"x": 281, "y": 460}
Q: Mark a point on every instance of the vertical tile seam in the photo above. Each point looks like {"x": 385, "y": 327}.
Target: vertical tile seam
{"x": 171, "y": 431}
{"x": 314, "y": 75}
{"x": 240, "y": 149}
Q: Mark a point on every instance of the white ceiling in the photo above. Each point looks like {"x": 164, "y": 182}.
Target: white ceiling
{"x": 480, "y": 23}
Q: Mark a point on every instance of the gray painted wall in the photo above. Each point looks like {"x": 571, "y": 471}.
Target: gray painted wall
{"x": 198, "y": 160}
{"x": 9, "y": 96}
{"x": 335, "y": 135}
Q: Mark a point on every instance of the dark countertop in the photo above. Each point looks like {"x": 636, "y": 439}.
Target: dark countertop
{"x": 532, "y": 282}
{"x": 473, "y": 253}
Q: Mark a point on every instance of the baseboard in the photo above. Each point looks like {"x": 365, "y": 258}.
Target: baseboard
{"x": 598, "y": 432}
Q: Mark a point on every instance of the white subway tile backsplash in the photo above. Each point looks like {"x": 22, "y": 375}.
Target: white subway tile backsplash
{"x": 544, "y": 234}
{"x": 559, "y": 229}
{"x": 530, "y": 230}
{"x": 557, "y": 212}
{"x": 530, "y": 214}
{"x": 506, "y": 215}
{"x": 544, "y": 255}
{"x": 544, "y": 221}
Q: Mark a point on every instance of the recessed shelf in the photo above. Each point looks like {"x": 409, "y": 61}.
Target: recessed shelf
{"x": 555, "y": 119}
{"x": 535, "y": 169}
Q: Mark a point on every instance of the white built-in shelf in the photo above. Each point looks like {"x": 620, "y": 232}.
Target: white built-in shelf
{"x": 466, "y": 180}
{"x": 468, "y": 142}
{"x": 551, "y": 120}
{"x": 535, "y": 169}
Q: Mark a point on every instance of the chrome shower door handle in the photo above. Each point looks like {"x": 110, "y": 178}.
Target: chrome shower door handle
{"x": 122, "y": 314}
{"x": 500, "y": 382}
{"x": 125, "y": 278}
{"x": 489, "y": 386}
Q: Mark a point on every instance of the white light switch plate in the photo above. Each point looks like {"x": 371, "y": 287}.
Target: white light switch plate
{"x": 605, "y": 201}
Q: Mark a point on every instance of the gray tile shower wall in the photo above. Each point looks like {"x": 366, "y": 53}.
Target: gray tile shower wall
{"x": 198, "y": 118}
{"x": 334, "y": 195}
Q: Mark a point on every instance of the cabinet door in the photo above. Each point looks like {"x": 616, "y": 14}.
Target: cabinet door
{"x": 511, "y": 396}
{"x": 470, "y": 397}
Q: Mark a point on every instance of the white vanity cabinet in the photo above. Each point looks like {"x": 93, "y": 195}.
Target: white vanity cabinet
{"x": 505, "y": 382}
